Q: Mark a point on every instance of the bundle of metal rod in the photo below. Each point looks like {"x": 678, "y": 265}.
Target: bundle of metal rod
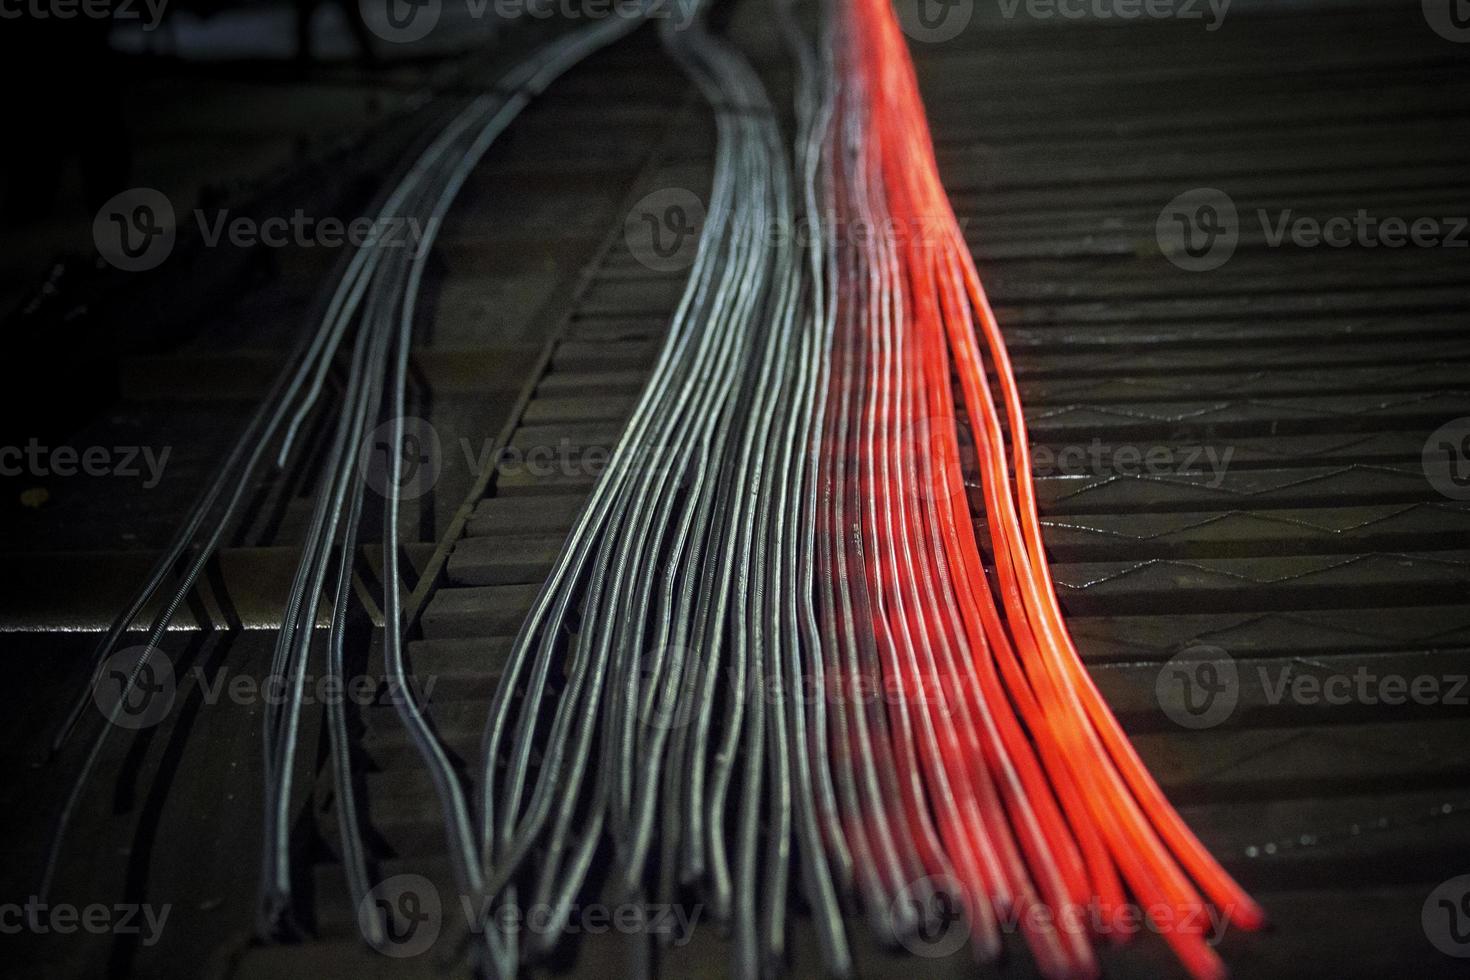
{"x": 680, "y": 608}
{"x": 1012, "y": 777}
{"x": 773, "y": 625}
{"x": 771, "y": 640}
{"x": 374, "y": 305}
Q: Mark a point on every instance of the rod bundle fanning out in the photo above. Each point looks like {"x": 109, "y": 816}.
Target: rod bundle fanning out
{"x": 1018, "y": 782}
{"x": 774, "y": 654}
{"x": 786, "y": 530}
